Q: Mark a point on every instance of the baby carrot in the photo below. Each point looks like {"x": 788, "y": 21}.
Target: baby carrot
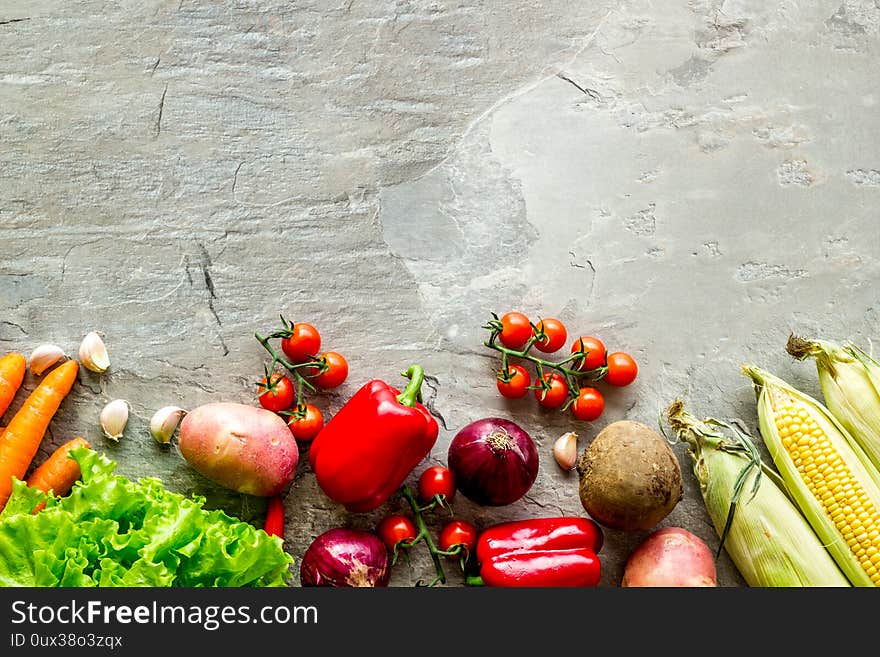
{"x": 24, "y": 433}
{"x": 12, "y": 368}
{"x": 59, "y": 472}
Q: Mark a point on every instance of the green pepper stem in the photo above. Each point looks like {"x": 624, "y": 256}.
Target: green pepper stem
{"x": 474, "y": 580}
{"x": 410, "y": 394}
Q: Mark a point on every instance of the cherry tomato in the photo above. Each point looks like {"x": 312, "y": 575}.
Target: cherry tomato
{"x": 277, "y": 393}
{"x": 555, "y": 335}
{"x": 303, "y": 342}
{"x": 336, "y": 372}
{"x": 436, "y": 480}
{"x": 515, "y": 330}
{"x": 517, "y": 383}
{"x": 307, "y": 424}
{"x": 555, "y": 396}
{"x": 594, "y": 350}
{"x": 622, "y": 369}
{"x": 458, "y": 532}
{"x": 396, "y": 528}
{"x": 589, "y": 404}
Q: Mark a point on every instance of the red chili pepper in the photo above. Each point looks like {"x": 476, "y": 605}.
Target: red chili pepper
{"x": 550, "y": 552}
{"x": 274, "y": 524}
{"x": 368, "y": 448}
{"x": 539, "y": 534}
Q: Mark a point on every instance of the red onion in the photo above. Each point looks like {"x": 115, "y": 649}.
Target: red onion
{"x": 495, "y": 462}
{"x": 346, "y": 557}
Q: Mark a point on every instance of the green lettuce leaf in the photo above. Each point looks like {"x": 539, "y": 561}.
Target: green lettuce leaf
{"x": 111, "y": 531}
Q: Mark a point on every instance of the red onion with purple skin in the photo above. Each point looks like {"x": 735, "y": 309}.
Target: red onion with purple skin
{"x": 345, "y": 557}
{"x": 495, "y": 461}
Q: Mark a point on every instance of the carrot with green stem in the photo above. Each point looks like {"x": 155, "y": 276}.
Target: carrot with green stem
{"x": 25, "y": 431}
{"x": 59, "y": 472}
{"x": 12, "y": 369}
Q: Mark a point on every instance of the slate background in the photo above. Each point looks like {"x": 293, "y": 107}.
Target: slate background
{"x": 688, "y": 180}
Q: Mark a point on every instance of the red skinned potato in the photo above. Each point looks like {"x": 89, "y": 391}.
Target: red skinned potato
{"x": 670, "y": 557}
{"x": 247, "y": 449}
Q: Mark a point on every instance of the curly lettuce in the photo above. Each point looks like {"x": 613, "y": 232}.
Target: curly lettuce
{"x": 111, "y": 531}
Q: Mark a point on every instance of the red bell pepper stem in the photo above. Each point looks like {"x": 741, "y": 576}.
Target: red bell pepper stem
{"x": 410, "y": 394}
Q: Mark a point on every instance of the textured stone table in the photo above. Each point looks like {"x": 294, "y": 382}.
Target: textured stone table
{"x": 688, "y": 180}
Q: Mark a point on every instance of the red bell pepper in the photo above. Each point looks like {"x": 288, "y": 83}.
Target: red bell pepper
{"x": 550, "y": 552}
{"x": 368, "y": 448}
{"x": 539, "y": 534}
{"x": 556, "y": 568}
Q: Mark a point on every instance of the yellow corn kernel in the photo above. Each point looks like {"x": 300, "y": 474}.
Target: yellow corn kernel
{"x": 850, "y": 382}
{"x": 767, "y": 537}
{"x": 827, "y": 473}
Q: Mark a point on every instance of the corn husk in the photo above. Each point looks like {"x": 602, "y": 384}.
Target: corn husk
{"x": 773, "y": 393}
{"x": 850, "y": 382}
{"x": 758, "y": 524}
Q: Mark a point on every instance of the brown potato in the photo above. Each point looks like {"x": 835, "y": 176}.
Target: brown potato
{"x": 629, "y": 477}
{"x": 244, "y": 448}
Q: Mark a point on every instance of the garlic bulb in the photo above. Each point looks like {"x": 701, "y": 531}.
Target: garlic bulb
{"x": 44, "y": 357}
{"x": 164, "y": 423}
{"x": 565, "y": 450}
{"x": 93, "y": 353}
{"x": 113, "y": 418}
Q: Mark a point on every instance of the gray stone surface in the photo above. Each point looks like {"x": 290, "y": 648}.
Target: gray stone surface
{"x": 688, "y": 180}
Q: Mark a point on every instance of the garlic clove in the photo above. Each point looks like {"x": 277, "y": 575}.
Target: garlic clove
{"x": 93, "y": 353}
{"x": 565, "y": 450}
{"x": 164, "y": 423}
{"x": 44, "y": 357}
{"x": 114, "y": 417}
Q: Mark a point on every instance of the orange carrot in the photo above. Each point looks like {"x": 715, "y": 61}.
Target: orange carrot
{"x": 12, "y": 368}
{"x": 25, "y": 431}
{"x": 59, "y": 472}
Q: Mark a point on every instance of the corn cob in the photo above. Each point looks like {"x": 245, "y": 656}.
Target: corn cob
{"x": 760, "y": 528}
{"x": 827, "y": 473}
{"x": 850, "y": 382}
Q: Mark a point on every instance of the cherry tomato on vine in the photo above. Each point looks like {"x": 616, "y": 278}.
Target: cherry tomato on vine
{"x": 555, "y": 335}
{"x": 622, "y": 369}
{"x": 556, "y": 394}
{"x": 303, "y": 342}
{"x": 307, "y": 424}
{"x": 458, "y": 532}
{"x": 516, "y": 329}
{"x": 516, "y": 384}
{"x": 594, "y": 351}
{"x": 277, "y": 393}
{"x": 589, "y": 404}
{"x": 436, "y": 480}
{"x": 336, "y": 372}
{"x": 396, "y": 528}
